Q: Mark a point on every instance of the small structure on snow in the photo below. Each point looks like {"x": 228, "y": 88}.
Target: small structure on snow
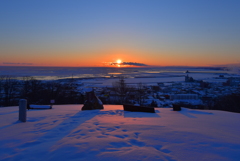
{"x": 39, "y": 107}
{"x": 92, "y": 101}
{"x": 135, "y": 108}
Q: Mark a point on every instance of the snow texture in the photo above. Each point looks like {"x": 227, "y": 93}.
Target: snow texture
{"x": 67, "y": 133}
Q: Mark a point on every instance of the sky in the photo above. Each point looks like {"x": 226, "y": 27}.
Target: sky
{"x": 137, "y": 32}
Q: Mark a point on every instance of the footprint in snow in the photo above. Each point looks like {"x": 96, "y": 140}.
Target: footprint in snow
{"x": 29, "y": 144}
{"x": 159, "y": 148}
{"x": 120, "y": 136}
{"x": 77, "y": 131}
{"x": 120, "y": 144}
{"x": 91, "y": 130}
{"x": 137, "y": 134}
{"x": 101, "y": 136}
{"x": 96, "y": 123}
{"x": 110, "y": 129}
{"x": 136, "y": 142}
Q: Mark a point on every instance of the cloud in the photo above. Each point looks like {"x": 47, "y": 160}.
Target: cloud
{"x": 128, "y": 64}
{"x": 233, "y": 68}
{"x": 10, "y": 63}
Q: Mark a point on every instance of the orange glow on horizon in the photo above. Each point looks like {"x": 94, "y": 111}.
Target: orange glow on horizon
{"x": 104, "y": 58}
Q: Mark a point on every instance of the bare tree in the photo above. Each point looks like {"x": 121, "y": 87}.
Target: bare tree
{"x": 140, "y": 93}
{"x": 10, "y": 90}
{"x": 31, "y": 89}
{"x": 1, "y": 90}
{"x": 122, "y": 90}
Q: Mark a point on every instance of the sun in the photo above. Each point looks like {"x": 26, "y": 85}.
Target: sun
{"x": 119, "y": 61}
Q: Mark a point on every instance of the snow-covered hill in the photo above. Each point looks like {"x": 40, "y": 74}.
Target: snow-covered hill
{"x": 65, "y": 133}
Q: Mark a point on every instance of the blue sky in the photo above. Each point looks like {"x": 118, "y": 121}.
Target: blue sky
{"x": 204, "y": 32}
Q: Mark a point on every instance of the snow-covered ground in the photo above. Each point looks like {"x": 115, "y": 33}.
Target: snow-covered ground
{"x": 66, "y": 133}
{"x": 206, "y": 77}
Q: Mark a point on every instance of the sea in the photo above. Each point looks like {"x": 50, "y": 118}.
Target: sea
{"x": 133, "y": 74}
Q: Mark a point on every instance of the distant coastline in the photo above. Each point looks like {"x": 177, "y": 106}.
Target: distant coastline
{"x": 53, "y": 73}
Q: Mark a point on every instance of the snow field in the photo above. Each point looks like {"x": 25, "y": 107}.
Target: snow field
{"x": 67, "y": 133}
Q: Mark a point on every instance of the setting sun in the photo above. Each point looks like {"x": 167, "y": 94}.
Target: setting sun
{"x": 119, "y": 61}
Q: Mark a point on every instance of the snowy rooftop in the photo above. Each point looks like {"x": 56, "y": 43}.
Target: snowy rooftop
{"x": 67, "y": 133}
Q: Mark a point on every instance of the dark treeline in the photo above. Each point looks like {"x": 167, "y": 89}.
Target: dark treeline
{"x": 66, "y": 92}
{"x": 229, "y": 103}
{"x": 37, "y": 91}
{"x": 123, "y": 93}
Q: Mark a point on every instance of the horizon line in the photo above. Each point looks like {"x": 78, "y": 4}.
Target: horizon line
{"x": 149, "y": 66}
